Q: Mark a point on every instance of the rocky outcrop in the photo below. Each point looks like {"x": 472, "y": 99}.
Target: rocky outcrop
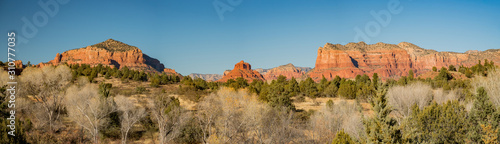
{"x": 288, "y": 70}
{"x": 111, "y": 53}
{"x": 388, "y": 60}
{"x": 207, "y": 77}
{"x": 244, "y": 70}
{"x": 19, "y": 64}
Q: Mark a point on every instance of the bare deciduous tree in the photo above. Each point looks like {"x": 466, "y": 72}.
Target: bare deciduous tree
{"x": 229, "y": 116}
{"x": 130, "y": 115}
{"x": 88, "y": 109}
{"x": 491, "y": 84}
{"x": 168, "y": 114}
{"x": 401, "y": 98}
{"x": 441, "y": 96}
{"x": 326, "y": 122}
{"x": 46, "y": 87}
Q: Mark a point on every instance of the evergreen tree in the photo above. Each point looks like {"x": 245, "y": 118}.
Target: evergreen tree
{"x": 256, "y": 86}
{"x": 347, "y": 89}
{"x": 336, "y": 81}
{"x": 410, "y": 75}
{"x": 375, "y": 81}
{"x": 452, "y": 68}
{"x": 443, "y": 123}
{"x": 342, "y": 138}
{"x": 482, "y": 113}
{"x": 323, "y": 84}
{"x": 155, "y": 81}
{"x": 434, "y": 69}
{"x": 292, "y": 87}
{"x": 93, "y": 75}
{"x": 107, "y": 75}
{"x": 308, "y": 87}
{"x": 105, "y": 89}
{"x": 381, "y": 128}
{"x": 444, "y": 75}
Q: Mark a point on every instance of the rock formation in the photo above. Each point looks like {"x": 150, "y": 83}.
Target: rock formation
{"x": 207, "y": 77}
{"x": 388, "y": 60}
{"x": 111, "y": 53}
{"x": 19, "y": 64}
{"x": 288, "y": 70}
{"x": 244, "y": 70}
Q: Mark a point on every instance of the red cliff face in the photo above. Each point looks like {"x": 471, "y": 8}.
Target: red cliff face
{"x": 388, "y": 60}
{"x": 244, "y": 70}
{"x": 110, "y": 53}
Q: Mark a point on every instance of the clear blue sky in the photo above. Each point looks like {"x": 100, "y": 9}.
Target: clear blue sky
{"x": 190, "y": 37}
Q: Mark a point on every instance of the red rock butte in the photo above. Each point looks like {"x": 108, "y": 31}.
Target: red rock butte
{"x": 244, "y": 70}
{"x": 111, "y": 53}
{"x": 389, "y": 60}
{"x": 288, "y": 70}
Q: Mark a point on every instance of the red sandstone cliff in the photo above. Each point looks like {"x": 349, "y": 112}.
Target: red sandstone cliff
{"x": 242, "y": 69}
{"x": 388, "y": 60}
{"x": 111, "y": 53}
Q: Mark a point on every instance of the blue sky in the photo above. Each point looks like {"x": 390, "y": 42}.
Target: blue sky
{"x": 190, "y": 37}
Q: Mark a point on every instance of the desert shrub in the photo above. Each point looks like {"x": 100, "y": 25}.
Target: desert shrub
{"x": 401, "y": 98}
{"x": 191, "y": 93}
{"x": 140, "y": 89}
{"x": 444, "y": 123}
{"x": 342, "y": 138}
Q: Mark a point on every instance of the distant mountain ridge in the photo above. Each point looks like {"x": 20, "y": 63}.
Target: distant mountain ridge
{"x": 207, "y": 77}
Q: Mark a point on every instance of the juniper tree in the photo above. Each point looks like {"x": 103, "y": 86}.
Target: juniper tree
{"x": 382, "y": 128}
{"x": 342, "y": 138}
{"x": 482, "y": 113}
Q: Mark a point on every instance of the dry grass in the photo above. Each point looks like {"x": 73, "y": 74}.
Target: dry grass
{"x": 432, "y": 74}
{"x": 128, "y": 89}
{"x": 317, "y": 103}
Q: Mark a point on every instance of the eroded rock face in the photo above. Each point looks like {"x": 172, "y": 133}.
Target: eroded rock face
{"x": 111, "y": 53}
{"x": 388, "y": 60}
{"x": 242, "y": 69}
{"x": 288, "y": 70}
